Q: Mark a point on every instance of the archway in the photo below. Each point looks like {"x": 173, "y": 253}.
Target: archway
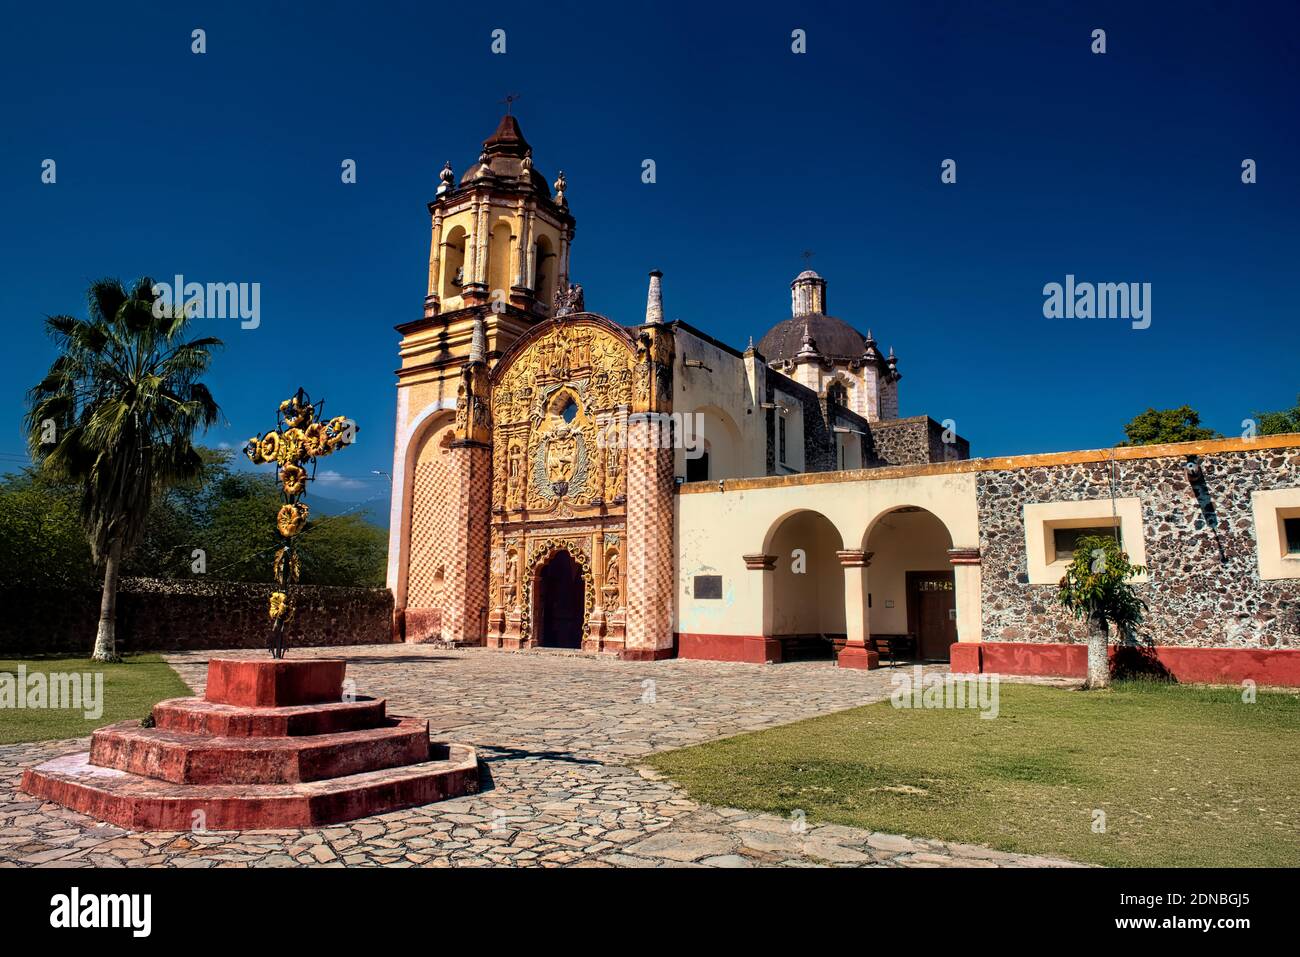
{"x": 912, "y": 586}
{"x": 429, "y": 473}
{"x": 559, "y": 598}
{"x": 453, "y": 264}
{"x": 808, "y": 587}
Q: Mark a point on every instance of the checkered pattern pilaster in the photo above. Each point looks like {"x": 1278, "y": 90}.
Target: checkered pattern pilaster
{"x": 649, "y": 543}
{"x": 465, "y": 597}
{"x": 447, "y": 583}
{"x": 433, "y": 518}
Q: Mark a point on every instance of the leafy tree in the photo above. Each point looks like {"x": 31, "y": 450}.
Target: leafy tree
{"x": 116, "y": 415}
{"x": 228, "y": 514}
{"x": 1280, "y": 422}
{"x": 1096, "y": 588}
{"x": 1158, "y": 426}
{"x": 40, "y": 528}
{"x": 344, "y": 550}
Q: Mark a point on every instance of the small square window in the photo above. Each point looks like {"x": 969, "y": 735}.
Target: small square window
{"x": 1065, "y": 539}
{"x": 1292, "y": 527}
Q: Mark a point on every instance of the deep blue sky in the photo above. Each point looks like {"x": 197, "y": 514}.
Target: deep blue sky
{"x": 1121, "y": 167}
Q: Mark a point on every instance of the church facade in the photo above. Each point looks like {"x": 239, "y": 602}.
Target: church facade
{"x": 562, "y": 479}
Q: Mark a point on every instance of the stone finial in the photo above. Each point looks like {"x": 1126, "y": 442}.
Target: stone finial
{"x": 446, "y": 179}
{"x": 478, "y": 342}
{"x": 654, "y": 303}
{"x": 809, "y": 348}
{"x": 561, "y": 184}
{"x": 484, "y": 165}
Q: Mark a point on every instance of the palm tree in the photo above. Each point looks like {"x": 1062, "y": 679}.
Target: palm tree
{"x": 116, "y": 415}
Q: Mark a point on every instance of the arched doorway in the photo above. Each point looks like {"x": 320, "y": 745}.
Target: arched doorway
{"x": 558, "y": 600}
{"x": 912, "y": 585}
{"x": 808, "y": 582}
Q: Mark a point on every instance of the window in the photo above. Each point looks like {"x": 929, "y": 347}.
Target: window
{"x": 697, "y": 470}
{"x": 570, "y": 411}
{"x": 1277, "y": 532}
{"x": 1052, "y": 530}
{"x": 1065, "y": 539}
{"x": 780, "y": 439}
{"x": 837, "y": 395}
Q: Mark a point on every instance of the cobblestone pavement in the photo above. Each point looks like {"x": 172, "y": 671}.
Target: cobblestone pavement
{"x": 558, "y": 735}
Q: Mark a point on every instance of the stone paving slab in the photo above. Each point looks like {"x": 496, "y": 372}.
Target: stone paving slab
{"x": 559, "y": 736}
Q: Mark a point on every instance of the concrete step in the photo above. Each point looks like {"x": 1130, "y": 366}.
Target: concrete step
{"x": 143, "y": 803}
{"x": 197, "y": 716}
{"x": 183, "y": 758}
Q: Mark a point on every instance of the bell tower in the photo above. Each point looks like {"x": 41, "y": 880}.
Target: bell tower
{"x": 499, "y": 236}
{"x": 498, "y": 264}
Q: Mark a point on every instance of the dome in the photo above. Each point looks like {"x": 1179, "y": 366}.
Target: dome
{"x": 835, "y": 338}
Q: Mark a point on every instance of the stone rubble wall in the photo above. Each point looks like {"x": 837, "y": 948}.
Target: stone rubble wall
{"x": 1204, "y": 588}
{"x": 161, "y": 615}
{"x": 916, "y": 440}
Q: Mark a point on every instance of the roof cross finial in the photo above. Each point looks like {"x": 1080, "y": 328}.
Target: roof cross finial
{"x": 510, "y": 98}
{"x": 807, "y": 257}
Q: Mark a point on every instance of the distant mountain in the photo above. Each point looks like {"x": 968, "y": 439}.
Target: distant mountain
{"x": 375, "y": 512}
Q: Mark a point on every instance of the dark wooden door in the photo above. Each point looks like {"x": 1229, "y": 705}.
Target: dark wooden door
{"x": 560, "y": 602}
{"x": 932, "y": 612}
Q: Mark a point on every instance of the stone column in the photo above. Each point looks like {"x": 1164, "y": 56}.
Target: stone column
{"x": 596, "y": 623}
{"x": 431, "y": 301}
{"x": 562, "y": 271}
{"x": 857, "y": 651}
{"x": 965, "y": 656}
{"x": 521, "y": 287}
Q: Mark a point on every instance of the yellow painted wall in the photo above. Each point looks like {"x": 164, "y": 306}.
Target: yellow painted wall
{"x": 714, "y": 529}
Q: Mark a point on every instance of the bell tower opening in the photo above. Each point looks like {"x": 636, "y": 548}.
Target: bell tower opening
{"x": 559, "y": 603}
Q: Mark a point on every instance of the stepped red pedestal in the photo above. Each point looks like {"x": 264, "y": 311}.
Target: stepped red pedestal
{"x": 271, "y": 744}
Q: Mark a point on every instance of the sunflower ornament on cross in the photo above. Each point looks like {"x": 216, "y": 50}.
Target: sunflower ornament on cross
{"x": 301, "y": 436}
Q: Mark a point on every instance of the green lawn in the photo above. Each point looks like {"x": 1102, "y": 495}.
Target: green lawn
{"x": 130, "y": 690}
{"x": 1186, "y": 776}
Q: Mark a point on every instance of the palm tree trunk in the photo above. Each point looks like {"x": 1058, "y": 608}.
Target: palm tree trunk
{"x": 106, "y": 637}
{"x": 1098, "y": 663}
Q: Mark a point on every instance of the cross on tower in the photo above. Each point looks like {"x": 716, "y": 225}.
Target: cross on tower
{"x": 510, "y": 98}
{"x": 807, "y": 256}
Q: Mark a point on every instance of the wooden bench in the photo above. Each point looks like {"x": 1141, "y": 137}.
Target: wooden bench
{"x": 895, "y": 647}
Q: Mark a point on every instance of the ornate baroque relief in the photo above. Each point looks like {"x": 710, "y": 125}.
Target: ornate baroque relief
{"x": 549, "y": 408}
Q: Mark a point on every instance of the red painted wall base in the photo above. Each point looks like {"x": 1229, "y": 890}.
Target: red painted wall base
{"x": 1280, "y": 666}
{"x": 755, "y": 649}
{"x": 645, "y": 654}
{"x": 851, "y": 656}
